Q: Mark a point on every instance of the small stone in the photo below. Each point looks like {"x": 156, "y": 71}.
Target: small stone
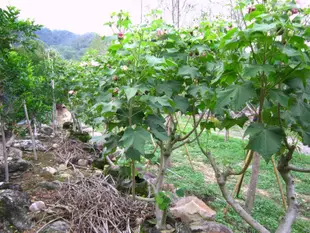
{"x": 62, "y": 167}
{"x": 55, "y": 145}
{"x": 37, "y": 206}
{"x": 65, "y": 175}
{"x": 82, "y": 162}
{"x": 10, "y": 158}
{"x": 50, "y": 170}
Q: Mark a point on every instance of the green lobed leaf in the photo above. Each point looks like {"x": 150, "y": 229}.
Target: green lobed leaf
{"x": 265, "y": 140}
{"x": 133, "y": 154}
{"x": 157, "y": 125}
{"x": 265, "y": 27}
{"x": 162, "y": 200}
{"x": 130, "y": 92}
{"x": 235, "y": 96}
{"x": 279, "y": 97}
{"x": 135, "y": 139}
{"x": 188, "y": 71}
{"x": 181, "y": 103}
{"x": 254, "y": 70}
{"x": 180, "y": 192}
{"x": 152, "y": 60}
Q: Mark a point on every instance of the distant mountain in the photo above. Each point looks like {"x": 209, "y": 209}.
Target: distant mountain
{"x": 68, "y": 44}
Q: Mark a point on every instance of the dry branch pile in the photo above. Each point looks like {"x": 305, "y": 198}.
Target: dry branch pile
{"x": 94, "y": 205}
{"x": 72, "y": 150}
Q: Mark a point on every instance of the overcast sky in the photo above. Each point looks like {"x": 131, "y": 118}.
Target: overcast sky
{"x": 82, "y": 16}
{"x": 78, "y": 16}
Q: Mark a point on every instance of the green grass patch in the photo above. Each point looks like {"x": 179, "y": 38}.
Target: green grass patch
{"x": 268, "y": 205}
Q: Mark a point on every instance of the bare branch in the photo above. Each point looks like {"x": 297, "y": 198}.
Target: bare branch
{"x": 248, "y": 160}
{"x": 298, "y": 169}
{"x": 194, "y": 127}
{"x": 188, "y": 141}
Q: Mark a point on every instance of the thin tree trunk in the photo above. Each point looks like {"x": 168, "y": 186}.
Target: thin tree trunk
{"x": 173, "y": 11}
{"x": 54, "y": 112}
{"x": 141, "y": 11}
{"x": 178, "y": 13}
{"x": 226, "y": 135}
{"x": 249, "y": 203}
{"x": 35, "y": 127}
{"x": 30, "y": 131}
{"x": 160, "y": 214}
{"x": 292, "y": 211}
{"x": 5, "y": 155}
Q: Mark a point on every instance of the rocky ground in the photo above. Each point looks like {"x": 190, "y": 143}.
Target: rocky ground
{"x": 62, "y": 192}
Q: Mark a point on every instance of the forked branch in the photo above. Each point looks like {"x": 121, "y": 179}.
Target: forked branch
{"x": 221, "y": 180}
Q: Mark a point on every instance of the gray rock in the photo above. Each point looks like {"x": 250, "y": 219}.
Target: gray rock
{"x": 4, "y": 185}
{"x": 181, "y": 227}
{"x": 15, "y": 161}
{"x": 26, "y": 145}
{"x": 50, "y": 185}
{"x": 5, "y": 226}
{"x": 56, "y": 227}
{"x": 207, "y": 227}
{"x": 14, "y": 206}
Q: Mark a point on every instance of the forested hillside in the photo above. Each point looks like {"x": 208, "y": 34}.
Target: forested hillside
{"x": 68, "y": 44}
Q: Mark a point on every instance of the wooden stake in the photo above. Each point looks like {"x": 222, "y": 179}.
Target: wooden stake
{"x": 188, "y": 156}
{"x": 30, "y": 131}
{"x": 279, "y": 183}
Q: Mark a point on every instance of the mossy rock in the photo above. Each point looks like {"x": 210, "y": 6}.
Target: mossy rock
{"x": 82, "y": 136}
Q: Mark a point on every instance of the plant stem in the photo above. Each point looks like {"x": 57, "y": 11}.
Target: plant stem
{"x": 133, "y": 168}
{"x": 279, "y": 183}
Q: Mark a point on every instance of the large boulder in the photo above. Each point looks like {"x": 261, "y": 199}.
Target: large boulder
{"x": 13, "y": 210}
{"x": 56, "y": 227}
{"x": 191, "y": 209}
{"x": 15, "y": 161}
{"x": 26, "y": 144}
